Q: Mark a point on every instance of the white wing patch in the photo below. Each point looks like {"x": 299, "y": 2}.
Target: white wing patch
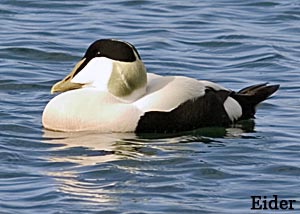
{"x": 233, "y": 109}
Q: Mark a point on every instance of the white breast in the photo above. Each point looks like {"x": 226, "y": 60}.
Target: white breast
{"x": 89, "y": 109}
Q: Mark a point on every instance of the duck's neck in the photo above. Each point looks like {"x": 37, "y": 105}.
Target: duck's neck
{"x": 128, "y": 81}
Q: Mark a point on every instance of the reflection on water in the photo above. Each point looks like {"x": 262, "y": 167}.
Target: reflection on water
{"x": 106, "y": 147}
{"x": 88, "y": 148}
{"x": 93, "y": 156}
{"x": 100, "y": 147}
{"x": 84, "y": 150}
{"x": 204, "y": 134}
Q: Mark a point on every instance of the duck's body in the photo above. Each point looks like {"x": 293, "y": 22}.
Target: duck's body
{"x": 118, "y": 101}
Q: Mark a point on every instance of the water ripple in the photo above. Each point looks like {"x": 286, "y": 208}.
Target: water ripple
{"x": 30, "y": 53}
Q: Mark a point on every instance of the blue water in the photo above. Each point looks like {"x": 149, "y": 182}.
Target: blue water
{"x": 234, "y": 43}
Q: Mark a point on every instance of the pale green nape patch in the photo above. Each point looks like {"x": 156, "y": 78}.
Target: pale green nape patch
{"x": 126, "y": 77}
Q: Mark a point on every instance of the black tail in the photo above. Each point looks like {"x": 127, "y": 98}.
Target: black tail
{"x": 250, "y": 96}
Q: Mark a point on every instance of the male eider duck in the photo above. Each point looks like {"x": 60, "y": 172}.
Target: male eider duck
{"x": 109, "y": 90}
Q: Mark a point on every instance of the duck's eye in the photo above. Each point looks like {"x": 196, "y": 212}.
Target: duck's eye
{"x": 98, "y": 53}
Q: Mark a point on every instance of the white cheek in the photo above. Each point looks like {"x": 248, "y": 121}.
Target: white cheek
{"x": 96, "y": 73}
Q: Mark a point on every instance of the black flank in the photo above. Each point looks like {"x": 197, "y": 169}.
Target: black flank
{"x": 207, "y": 110}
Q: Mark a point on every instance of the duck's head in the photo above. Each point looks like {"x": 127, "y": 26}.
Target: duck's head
{"x": 108, "y": 65}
